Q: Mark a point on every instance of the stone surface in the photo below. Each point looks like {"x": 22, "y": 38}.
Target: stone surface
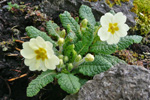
{"x": 122, "y": 82}
{"x": 53, "y": 7}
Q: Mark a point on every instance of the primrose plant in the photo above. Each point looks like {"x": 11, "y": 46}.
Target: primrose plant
{"x": 78, "y": 50}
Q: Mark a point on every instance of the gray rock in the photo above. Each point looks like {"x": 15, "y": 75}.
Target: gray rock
{"x": 99, "y": 8}
{"x": 122, "y": 82}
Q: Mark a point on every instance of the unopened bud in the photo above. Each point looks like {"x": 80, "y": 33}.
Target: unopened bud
{"x": 63, "y": 33}
{"x": 70, "y": 66}
{"x": 61, "y": 62}
{"x": 72, "y": 46}
{"x": 66, "y": 58}
{"x": 89, "y": 58}
{"x": 60, "y": 41}
{"x": 60, "y": 56}
{"x": 78, "y": 58}
{"x": 64, "y": 70}
{"x": 84, "y": 23}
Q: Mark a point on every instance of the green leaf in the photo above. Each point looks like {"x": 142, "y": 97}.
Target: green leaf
{"x": 70, "y": 52}
{"x": 72, "y": 37}
{"x": 112, "y": 59}
{"x": 85, "y": 12}
{"x": 68, "y": 83}
{"x": 67, "y": 19}
{"x": 128, "y": 40}
{"x": 103, "y": 48}
{"x": 82, "y": 47}
{"x": 40, "y": 82}
{"x": 136, "y": 38}
{"x": 52, "y": 28}
{"x": 82, "y": 81}
{"x": 33, "y": 32}
{"x": 99, "y": 65}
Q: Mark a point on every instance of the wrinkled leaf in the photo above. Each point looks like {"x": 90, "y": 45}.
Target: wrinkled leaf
{"x": 68, "y": 83}
{"x": 40, "y": 82}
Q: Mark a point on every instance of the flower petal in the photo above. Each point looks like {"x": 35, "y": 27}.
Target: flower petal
{"x": 42, "y": 66}
{"x": 51, "y": 63}
{"x": 41, "y": 42}
{"x": 33, "y": 44}
{"x": 27, "y": 51}
{"x": 113, "y": 39}
{"x": 31, "y": 63}
{"x": 36, "y": 64}
{"x": 119, "y": 18}
{"x": 49, "y": 45}
{"x": 122, "y": 30}
{"x": 106, "y": 19}
{"x": 49, "y": 49}
{"x": 103, "y": 34}
{"x": 126, "y": 27}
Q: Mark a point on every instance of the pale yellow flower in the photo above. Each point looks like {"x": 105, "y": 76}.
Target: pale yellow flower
{"x": 113, "y": 27}
{"x": 39, "y": 54}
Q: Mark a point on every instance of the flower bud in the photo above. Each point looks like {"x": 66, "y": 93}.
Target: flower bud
{"x": 66, "y": 58}
{"x": 60, "y": 56}
{"x": 60, "y": 41}
{"x": 89, "y": 58}
{"x": 78, "y": 58}
{"x": 64, "y": 70}
{"x": 63, "y": 33}
{"x": 84, "y": 23}
{"x": 70, "y": 66}
{"x": 61, "y": 62}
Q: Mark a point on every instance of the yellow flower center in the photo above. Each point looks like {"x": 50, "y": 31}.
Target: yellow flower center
{"x": 113, "y": 27}
{"x": 41, "y": 54}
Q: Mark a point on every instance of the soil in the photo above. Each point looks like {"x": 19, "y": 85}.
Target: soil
{"x": 14, "y": 75}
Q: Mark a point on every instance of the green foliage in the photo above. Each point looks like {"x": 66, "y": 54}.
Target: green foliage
{"x": 86, "y": 13}
{"x": 82, "y": 47}
{"x": 40, "y": 82}
{"x": 112, "y": 59}
{"x": 70, "y": 52}
{"x": 10, "y": 6}
{"x": 71, "y": 36}
{"x": 78, "y": 41}
{"x": 67, "y": 19}
{"x": 68, "y": 83}
{"x": 104, "y": 48}
{"x": 33, "y": 32}
{"x": 99, "y": 65}
{"x": 82, "y": 81}
{"x": 128, "y": 40}
{"x": 52, "y": 28}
